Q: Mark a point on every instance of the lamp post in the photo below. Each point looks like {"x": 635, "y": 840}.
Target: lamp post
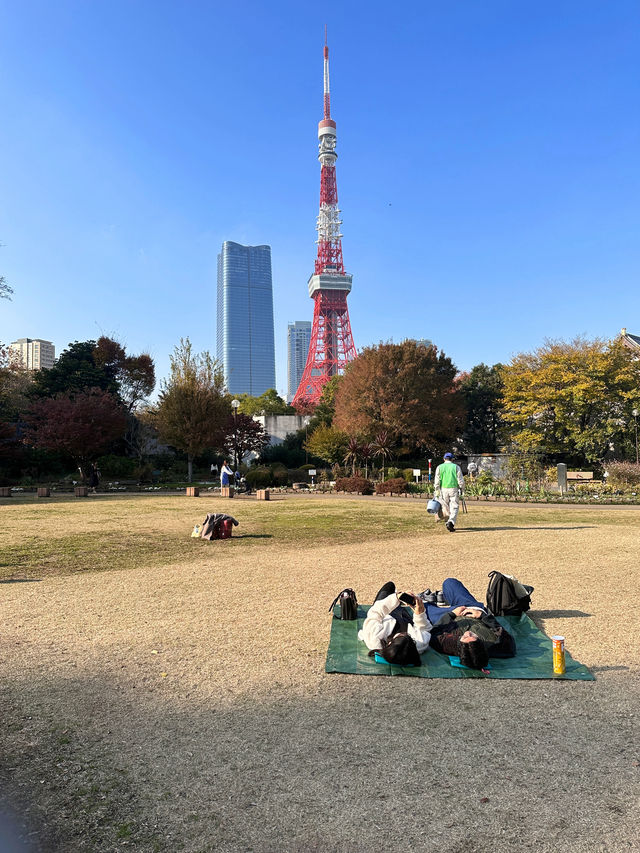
{"x": 234, "y": 406}
{"x": 635, "y": 418}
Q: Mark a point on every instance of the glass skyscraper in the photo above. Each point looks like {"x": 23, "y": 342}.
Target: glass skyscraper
{"x": 245, "y": 345}
{"x": 298, "y": 340}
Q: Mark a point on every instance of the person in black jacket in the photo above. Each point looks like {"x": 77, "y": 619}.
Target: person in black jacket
{"x": 464, "y": 628}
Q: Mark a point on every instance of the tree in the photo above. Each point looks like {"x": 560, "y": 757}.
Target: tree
{"x": 15, "y": 384}
{"x": 99, "y": 364}
{"x": 407, "y": 389}
{"x": 269, "y": 403}
{"x": 325, "y": 410}
{"x": 193, "y": 407}
{"x": 135, "y": 375}
{"x": 243, "y": 435}
{"x": 75, "y": 370}
{"x": 382, "y": 447}
{"x": 328, "y": 443}
{"x": 81, "y": 426}
{"x": 366, "y": 452}
{"x": 575, "y": 399}
{"x": 5, "y": 290}
{"x": 353, "y": 454}
{"x": 481, "y": 390}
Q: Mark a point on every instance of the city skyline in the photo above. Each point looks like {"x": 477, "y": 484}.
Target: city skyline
{"x": 489, "y": 167}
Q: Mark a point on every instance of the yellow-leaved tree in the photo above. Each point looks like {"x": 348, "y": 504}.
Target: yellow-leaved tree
{"x": 193, "y": 407}
{"x": 573, "y": 398}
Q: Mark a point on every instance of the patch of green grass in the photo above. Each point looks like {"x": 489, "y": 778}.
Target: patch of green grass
{"x": 78, "y": 553}
{"x": 118, "y": 533}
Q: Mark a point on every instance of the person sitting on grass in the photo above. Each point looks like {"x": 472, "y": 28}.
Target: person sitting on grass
{"x": 464, "y": 628}
{"x": 398, "y": 635}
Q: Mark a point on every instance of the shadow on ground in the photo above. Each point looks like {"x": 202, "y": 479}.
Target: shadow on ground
{"x": 200, "y": 774}
{"x": 19, "y": 580}
{"x": 535, "y": 527}
{"x": 558, "y": 614}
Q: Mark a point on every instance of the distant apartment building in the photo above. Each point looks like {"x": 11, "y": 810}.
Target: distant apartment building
{"x": 421, "y": 342}
{"x": 245, "y": 339}
{"x": 34, "y": 353}
{"x": 298, "y": 340}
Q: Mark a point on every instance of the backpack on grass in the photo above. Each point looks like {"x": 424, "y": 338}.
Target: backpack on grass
{"x": 217, "y": 525}
{"x": 348, "y": 605}
{"x": 506, "y": 596}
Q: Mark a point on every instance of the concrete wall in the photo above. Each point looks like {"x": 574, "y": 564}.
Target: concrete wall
{"x": 495, "y": 463}
{"x": 278, "y": 427}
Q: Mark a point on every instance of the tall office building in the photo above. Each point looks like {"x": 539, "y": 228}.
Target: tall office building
{"x": 298, "y": 340}
{"x": 34, "y": 353}
{"x": 245, "y": 344}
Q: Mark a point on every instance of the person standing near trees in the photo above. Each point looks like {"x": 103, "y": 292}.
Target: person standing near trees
{"x": 449, "y": 484}
{"x": 225, "y": 473}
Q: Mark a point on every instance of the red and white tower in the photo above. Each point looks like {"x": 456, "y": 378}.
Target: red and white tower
{"x": 331, "y": 347}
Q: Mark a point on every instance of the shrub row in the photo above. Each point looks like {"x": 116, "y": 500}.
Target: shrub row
{"x": 354, "y": 484}
{"x": 397, "y": 486}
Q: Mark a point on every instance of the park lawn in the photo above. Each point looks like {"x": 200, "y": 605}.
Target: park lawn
{"x": 164, "y": 693}
{"x": 68, "y": 536}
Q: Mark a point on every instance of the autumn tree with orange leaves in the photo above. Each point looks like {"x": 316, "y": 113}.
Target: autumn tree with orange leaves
{"x": 408, "y": 390}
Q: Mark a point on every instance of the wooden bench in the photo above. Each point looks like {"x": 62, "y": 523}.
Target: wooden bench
{"x": 262, "y": 494}
{"x": 579, "y": 476}
{"x": 5, "y": 491}
{"x": 44, "y": 492}
{"x": 193, "y": 492}
{"x": 81, "y": 491}
{"x": 227, "y": 491}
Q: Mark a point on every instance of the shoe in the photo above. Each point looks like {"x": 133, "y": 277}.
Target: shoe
{"x": 450, "y": 527}
{"x": 385, "y": 590}
{"x": 427, "y": 597}
{"x": 441, "y": 601}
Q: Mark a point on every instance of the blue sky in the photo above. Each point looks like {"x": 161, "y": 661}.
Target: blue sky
{"x": 488, "y": 171}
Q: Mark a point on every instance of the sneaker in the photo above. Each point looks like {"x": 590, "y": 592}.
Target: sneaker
{"x": 441, "y": 601}
{"x": 386, "y": 590}
{"x": 427, "y": 597}
{"x": 450, "y": 527}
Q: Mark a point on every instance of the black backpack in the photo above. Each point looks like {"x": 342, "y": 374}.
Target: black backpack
{"x": 348, "y": 605}
{"x": 506, "y": 596}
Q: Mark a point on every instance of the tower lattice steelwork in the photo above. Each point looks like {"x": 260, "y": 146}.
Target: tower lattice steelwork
{"x": 331, "y": 347}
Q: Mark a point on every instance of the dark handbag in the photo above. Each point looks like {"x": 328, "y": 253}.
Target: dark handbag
{"x": 348, "y": 605}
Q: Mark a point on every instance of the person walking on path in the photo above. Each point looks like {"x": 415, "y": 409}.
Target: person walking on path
{"x": 448, "y": 484}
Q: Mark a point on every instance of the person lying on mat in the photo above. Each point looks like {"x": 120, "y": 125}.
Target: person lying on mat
{"x": 464, "y": 628}
{"x": 397, "y": 634}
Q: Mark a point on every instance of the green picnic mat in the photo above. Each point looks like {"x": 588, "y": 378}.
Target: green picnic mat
{"x": 534, "y": 657}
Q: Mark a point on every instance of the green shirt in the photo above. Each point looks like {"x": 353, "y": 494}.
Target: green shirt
{"x": 448, "y": 475}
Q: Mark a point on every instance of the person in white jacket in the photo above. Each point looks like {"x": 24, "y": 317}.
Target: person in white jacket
{"x": 397, "y": 634}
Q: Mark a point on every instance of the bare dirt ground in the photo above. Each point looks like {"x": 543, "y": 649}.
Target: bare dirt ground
{"x": 181, "y": 703}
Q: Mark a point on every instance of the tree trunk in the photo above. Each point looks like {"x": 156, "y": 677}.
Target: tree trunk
{"x": 189, "y": 466}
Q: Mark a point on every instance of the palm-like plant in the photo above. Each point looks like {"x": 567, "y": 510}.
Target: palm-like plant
{"x": 366, "y": 452}
{"x": 352, "y": 454}
{"x": 382, "y": 447}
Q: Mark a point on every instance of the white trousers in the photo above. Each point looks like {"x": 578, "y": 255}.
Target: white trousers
{"x": 449, "y": 498}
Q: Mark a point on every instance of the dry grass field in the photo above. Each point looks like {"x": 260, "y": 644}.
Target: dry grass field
{"x": 161, "y": 693}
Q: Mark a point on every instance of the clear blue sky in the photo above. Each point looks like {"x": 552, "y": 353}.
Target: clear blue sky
{"x": 488, "y": 171}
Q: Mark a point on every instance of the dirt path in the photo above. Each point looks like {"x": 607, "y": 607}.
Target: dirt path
{"x": 185, "y": 707}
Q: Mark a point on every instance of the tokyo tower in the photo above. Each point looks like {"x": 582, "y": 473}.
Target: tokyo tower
{"x": 331, "y": 347}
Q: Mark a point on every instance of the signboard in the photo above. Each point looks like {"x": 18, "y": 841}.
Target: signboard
{"x": 312, "y": 472}
{"x": 416, "y": 472}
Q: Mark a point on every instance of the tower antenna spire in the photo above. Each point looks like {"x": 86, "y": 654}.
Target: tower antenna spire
{"x": 331, "y": 347}
{"x": 327, "y": 96}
